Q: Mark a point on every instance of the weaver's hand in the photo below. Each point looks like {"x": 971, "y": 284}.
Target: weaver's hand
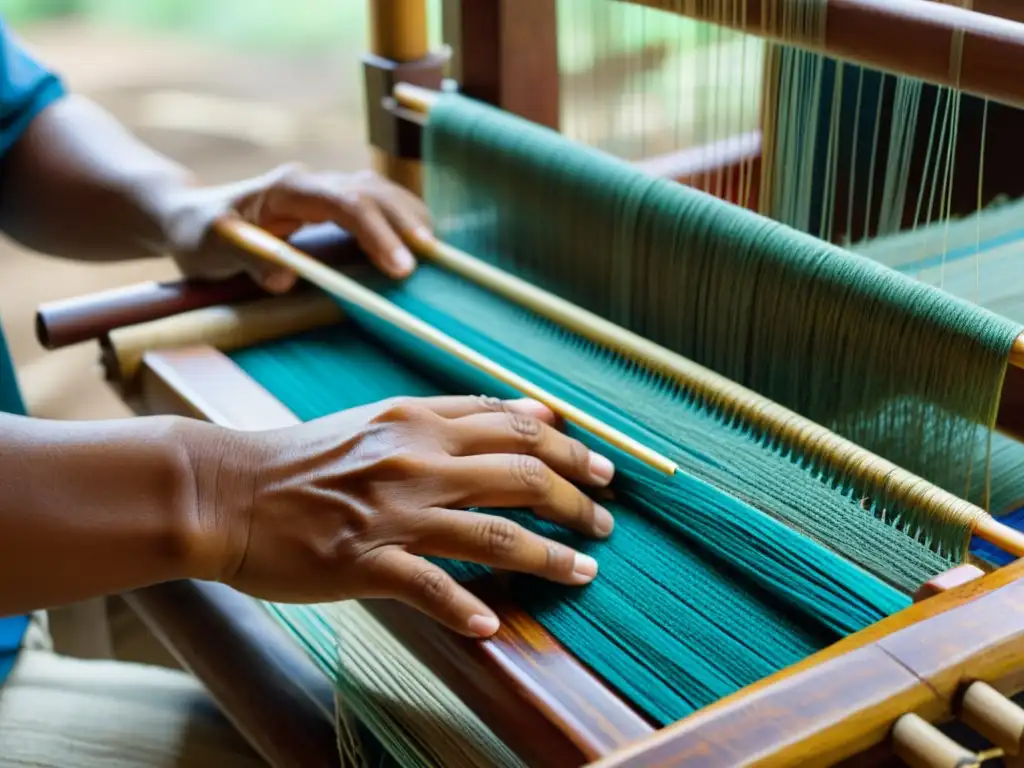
{"x": 375, "y": 211}
{"x": 350, "y": 506}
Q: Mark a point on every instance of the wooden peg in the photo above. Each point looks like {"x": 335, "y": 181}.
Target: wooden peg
{"x": 921, "y": 745}
{"x": 995, "y": 717}
{"x": 947, "y": 580}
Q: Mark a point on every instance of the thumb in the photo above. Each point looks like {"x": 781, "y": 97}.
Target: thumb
{"x": 269, "y": 277}
{"x": 234, "y": 257}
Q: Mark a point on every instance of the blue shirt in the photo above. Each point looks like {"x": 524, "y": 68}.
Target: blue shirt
{"x": 26, "y": 88}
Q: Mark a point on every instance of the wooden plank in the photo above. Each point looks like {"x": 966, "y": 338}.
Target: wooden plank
{"x": 505, "y": 52}
{"x": 535, "y": 695}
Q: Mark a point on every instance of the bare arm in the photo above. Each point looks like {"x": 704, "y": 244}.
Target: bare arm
{"x": 348, "y": 506}
{"x": 78, "y": 184}
{"x": 93, "y": 508}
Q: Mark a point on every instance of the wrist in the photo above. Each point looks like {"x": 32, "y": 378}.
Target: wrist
{"x": 222, "y": 467}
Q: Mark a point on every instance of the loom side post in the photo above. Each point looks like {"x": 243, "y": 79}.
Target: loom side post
{"x": 505, "y": 53}
{"x": 398, "y": 33}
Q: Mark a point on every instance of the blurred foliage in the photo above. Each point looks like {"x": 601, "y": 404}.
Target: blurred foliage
{"x": 266, "y": 24}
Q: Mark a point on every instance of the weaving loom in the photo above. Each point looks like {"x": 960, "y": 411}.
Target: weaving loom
{"x": 802, "y": 349}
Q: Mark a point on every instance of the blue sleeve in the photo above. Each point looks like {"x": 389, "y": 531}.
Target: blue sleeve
{"x": 26, "y": 88}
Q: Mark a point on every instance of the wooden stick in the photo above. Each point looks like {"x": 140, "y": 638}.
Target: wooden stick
{"x": 1017, "y": 353}
{"x": 905, "y": 37}
{"x": 995, "y": 717}
{"x": 759, "y": 411}
{"x": 222, "y": 326}
{"x": 727, "y": 395}
{"x": 921, "y": 745}
{"x": 270, "y": 248}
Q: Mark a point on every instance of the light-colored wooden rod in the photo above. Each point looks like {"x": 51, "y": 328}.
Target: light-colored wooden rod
{"x": 728, "y": 396}
{"x": 223, "y": 327}
{"x": 797, "y": 431}
{"x": 995, "y": 717}
{"x": 1017, "y": 352}
{"x": 264, "y": 245}
{"x": 921, "y": 745}
{"x": 415, "y": 97}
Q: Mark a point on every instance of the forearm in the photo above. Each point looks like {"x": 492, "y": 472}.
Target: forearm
{"x": 79, "y": 185}
{"x": 93, "y": 508}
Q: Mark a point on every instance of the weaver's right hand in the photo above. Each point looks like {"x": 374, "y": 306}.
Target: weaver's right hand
{"x": 350, "y": 506}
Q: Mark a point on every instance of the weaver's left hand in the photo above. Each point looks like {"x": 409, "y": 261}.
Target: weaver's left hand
{"x": 377, "y": 212}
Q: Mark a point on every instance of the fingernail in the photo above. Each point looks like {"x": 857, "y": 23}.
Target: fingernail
{"x": 601, "y": 468}
{"x": 584, "y": 570}
{"x": 279, "y": 282}
{"x": 423, "y": 235}
{"x": 533, "y": 408}
{"x": 604, "y": 523}
{"x": 403, "y": 261}
{"x": 483, "y": 626}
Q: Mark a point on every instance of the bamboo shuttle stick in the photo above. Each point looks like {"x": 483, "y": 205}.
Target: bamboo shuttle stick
{"x": 266, "y": 246}
{"x": 720, "y": 391}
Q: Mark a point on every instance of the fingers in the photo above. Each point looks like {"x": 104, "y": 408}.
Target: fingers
{"x": 499, "y": 543}
{"x": 406, "y": 213}
{"x": 378, "y": 238}
{"x": 377, "y": 213}
{"x": 506, "y": 481}
{"x": 422, "y": 585}
{"x": 516, "y": 431}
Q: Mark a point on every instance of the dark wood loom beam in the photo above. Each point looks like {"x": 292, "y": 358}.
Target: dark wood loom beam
{"x": 538, "y": 699}
{"x": 505, "y": 52}
{"x": 1004, "y": 9}
{"x": 844, "y": 700}
{"x": 85, "y": 318}
{"x": 909, "y": 37}
{"x": 726, "y": 169}
{"x": 271, "y": 692}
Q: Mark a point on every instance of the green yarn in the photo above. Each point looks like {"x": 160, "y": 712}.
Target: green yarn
{"x": 831, "y": 335}
{"x": 751, "y": 557}
{"x": 699, "y": 593}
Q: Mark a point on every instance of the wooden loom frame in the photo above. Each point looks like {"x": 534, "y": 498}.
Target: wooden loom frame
{"x": 889, "y": 669}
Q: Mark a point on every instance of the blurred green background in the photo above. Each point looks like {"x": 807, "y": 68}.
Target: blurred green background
{"x": 278, "y": 24}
